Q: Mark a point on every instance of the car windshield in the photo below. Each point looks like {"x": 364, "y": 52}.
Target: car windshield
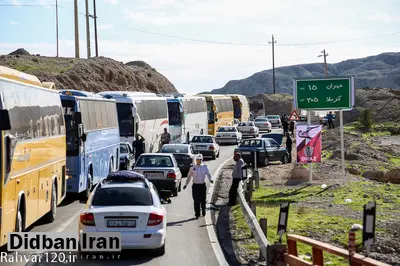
{"x": 227, "y": 129}
{"x": 273, "y": 117}
{"x": 174, "y": 149}
{"x": 122, "y": 196}
{"x": 246, "y": 124}
{"x": 251, "y": 143}
{"x": 154, "y": 161}
{"x": 261, "y": 120}
{"x": 123, "y": 148}
{"x": 202, "y": 139}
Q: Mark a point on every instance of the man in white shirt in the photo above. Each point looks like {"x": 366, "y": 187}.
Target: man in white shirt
{"x": 199, "y": 172}
{"x": 237, "y": 176}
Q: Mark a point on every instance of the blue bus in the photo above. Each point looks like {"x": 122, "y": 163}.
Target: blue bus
{"x": 93, "y": 142}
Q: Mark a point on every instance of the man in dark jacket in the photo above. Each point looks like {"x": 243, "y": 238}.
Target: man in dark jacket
{"x": 138, "y": 145}
{"x": 289, "y": 144}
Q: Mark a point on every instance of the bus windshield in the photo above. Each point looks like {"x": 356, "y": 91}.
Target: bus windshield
{"x": 237, "y": 111}
{"x": 71, "y": 128}
{"x": 125, "y": 119}
{"x": 174, "y": 114}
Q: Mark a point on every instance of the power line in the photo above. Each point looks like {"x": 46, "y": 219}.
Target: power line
{"x": 224, "y": 42}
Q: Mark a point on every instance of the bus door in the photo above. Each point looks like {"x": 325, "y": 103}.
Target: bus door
{"x": 81, "y": 142}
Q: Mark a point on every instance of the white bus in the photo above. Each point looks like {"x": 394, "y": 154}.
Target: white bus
{"x": 187, "y": 117}
{"x": 143, "y": 113}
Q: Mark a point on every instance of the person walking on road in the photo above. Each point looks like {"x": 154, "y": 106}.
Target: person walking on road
{"x": 330, "y": 120}
{"x": 138, "y": 145}
{"x": 165, "y": 137}
{"x": 285, "y": 125}
{"x": 199, "y": 172}
{"x": 237, "y": 176}
{"x": 289, "y": 144}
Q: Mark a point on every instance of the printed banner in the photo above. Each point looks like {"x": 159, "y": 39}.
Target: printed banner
{"x": 308, "y": 143}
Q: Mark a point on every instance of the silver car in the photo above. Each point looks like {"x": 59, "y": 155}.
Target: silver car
{"x": 263, "y": 124}
{"x": 161, "y": 169}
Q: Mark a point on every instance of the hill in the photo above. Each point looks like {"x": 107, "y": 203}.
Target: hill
{"x": 94, "y": 74}
{"x": 380, "y": 71}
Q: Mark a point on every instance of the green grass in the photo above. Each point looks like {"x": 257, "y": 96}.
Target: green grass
{"x": 395, "y": 161}
{"x": 326, "y": 154}
{"x": 53, "y": 66}
{"x": 311, "y": 222}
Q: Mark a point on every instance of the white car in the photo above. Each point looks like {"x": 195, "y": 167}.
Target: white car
{"x": 263, "y": 124}
{"x": 228, "y": 134}
{"x": 206, "y": 145}
{"x": 248, "y": 129}
{"x": 127, "y": 203}
{"x": 161, "y": 169}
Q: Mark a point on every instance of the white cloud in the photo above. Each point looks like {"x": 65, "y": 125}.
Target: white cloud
{"x": 12, "y": 23}
{"x": 385, "y": 18}
{"x": 14, "y": 2}
{"x": 113, "y": 2}
{"x": 105, "y": 26}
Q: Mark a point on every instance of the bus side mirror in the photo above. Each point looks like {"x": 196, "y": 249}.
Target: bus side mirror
{"x": 216, "y": 119}
{"x": 84, "y": 136}
{"x": 5, "y": 123}
{"x": 8, "y": 144}
{"x": 78, "y": 118}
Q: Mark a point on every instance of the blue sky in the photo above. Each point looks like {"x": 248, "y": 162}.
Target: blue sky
{"x": 195, "y": 66}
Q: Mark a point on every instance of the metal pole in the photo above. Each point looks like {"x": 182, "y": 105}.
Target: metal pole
{"x": 273, "y": 62}
{"x": 95, "y": 28}
{"x": 256, "y": 176}
{"x": 76, "y": 29}
{"x": 310, "y": 177}
{"x": 342, "y": 147}
{"x": 57, "y": 25}
{"x": 87, "y": 29}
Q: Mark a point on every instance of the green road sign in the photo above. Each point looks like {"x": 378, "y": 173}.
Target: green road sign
{"x": 324, "y": 93}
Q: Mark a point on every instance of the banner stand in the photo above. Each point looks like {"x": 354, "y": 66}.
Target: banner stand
{"x": 342, "y": 147}
{"x": 310, "y": 170}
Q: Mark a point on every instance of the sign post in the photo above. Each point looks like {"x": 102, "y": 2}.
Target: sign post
{"x": 336, "y": 93}
{"x": 369, "y": 221}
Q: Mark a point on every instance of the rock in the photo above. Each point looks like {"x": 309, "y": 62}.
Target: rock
{"x": 353, "y": 171}
{"x": 365, "y": 196}
{"x": 393, "y": 176}
{"x": 374, "y": 175}
{"x": 351, "y": 157}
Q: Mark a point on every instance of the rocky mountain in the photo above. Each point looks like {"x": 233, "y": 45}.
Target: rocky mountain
{"x": 94, "y": 74}
{"x": 380, "y": 71}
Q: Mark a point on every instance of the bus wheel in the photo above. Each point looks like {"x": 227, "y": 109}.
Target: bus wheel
{"x": 86, "y": 193}
{"x": 19, "y": 222}
{"x": 51, "y": 215}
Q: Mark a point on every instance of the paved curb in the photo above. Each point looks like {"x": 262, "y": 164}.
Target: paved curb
{"x": 211, "y": 229}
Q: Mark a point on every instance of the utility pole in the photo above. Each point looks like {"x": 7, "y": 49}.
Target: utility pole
{"x": 87, "y": 29}
{"x": 57, "y": 24}
{"x": 95, "y": 28}
{"x": 324, "y": 54}
{"x": 76, "y": 29}
{"x": 273, "y": 62}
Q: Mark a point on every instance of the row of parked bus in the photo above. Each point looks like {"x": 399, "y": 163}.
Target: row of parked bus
{"x": 58, "y": 142}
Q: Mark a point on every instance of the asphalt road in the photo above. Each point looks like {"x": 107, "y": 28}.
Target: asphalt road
{"x": 187, "y": 239}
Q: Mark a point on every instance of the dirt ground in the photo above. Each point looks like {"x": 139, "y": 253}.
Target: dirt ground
{"x": 323, "y": 211}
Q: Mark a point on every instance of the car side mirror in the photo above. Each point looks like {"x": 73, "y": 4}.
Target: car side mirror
{"x": 5, "y": 123}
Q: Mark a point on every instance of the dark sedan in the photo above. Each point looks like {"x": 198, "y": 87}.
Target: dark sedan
{"x": 267, "y": 150}
{"x": 183, "y": 154}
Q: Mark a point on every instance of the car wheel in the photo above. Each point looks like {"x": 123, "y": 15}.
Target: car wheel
{"x": 175, "y": 192}
{"x": 218, "y": 154}
{"x": 214, "y": 156}
{"x": 285, "y": 159}
{"x": 266, "y": 161}
{"x": 160, "y": 251}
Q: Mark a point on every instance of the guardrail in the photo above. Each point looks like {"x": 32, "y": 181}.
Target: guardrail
{"x": 280, "y": 254}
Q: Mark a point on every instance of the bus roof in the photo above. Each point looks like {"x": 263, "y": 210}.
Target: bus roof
{"x": 237, "y": 96}
{"x": 79, "y": 93}
{"x": 16, "y": 75}
{"x": 213, "y": 96}
{"x": 130, "y": 97}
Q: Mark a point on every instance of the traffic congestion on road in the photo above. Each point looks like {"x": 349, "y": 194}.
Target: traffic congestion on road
{"x": 75, "y": 161}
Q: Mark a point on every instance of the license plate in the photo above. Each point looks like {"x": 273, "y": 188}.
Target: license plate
{"x": 154, "y": 175}
{"x": 121, "y": 223}
{"x": 201, "y": 147}
{"x": 246, "y": 152}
